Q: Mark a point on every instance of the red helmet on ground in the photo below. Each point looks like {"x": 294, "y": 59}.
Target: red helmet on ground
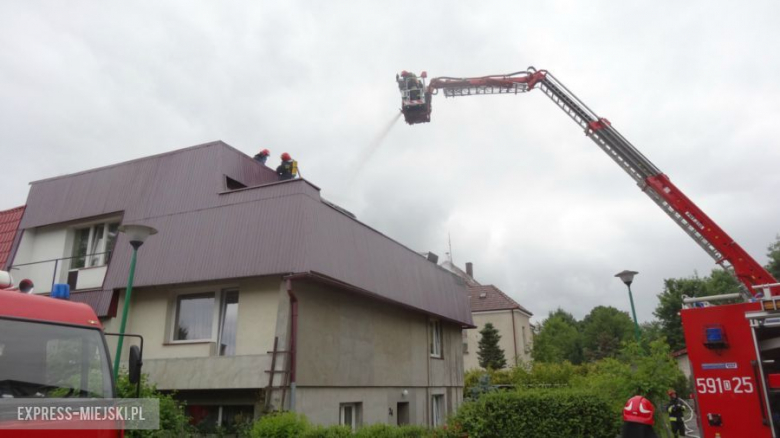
{"x": 265, "y": 152}
{"x": 286, "y": 157}
{"x": 639, "y": 410}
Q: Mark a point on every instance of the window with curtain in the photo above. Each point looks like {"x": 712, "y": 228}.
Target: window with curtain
{"x": 228, "y": 323}
{"x": 194, "y": 316}
{"x": 434, "y": 335}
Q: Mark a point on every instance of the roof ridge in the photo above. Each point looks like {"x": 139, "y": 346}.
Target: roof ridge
{"x": 135, "y": 160}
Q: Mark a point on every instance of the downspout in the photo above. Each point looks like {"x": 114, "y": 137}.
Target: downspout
{"x": 514, "y": 334}
{"x": 293, "y": 337}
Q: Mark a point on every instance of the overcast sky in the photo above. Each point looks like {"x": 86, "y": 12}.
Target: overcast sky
{"x": 538, "y": 208}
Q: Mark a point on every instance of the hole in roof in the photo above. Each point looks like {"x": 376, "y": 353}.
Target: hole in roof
{"x": 232, "y": 184}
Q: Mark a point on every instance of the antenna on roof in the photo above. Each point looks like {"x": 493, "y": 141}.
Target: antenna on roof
{"x": 449, "y": 239}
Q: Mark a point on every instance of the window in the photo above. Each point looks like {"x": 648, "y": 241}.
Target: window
{"x": 229, "y": 322}
{"x": 232, "y": 184}
{"x": 194, "y": 315}
{"x": 465, "y": 342}
{"x": 434, "y": 334}
{"x": 91, "y": 244}
{"x": 349, "y": 415}
{"x": 437, "y": 410}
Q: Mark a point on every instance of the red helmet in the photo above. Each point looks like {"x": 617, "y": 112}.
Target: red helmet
{"x": 286, "y": 157}
{"x": 671, "y": 392}
{"x": 639, "y": 410}
{"x": 404, "y": 73}
{"x": 265, "y": 152}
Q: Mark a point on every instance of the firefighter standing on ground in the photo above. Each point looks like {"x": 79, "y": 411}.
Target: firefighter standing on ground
{"x": 288, "y": 169}
{"x": 676, "y": 410}
{"x": 638, "y": 418}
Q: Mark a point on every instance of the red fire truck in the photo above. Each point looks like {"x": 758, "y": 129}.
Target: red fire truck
{"x": 53, "y": 348}
{"x": 734, "y": 349}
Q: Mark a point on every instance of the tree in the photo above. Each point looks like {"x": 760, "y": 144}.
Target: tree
{"x": 670, "y": 300}
{"x": 774, "y": 258}
{"x": 603, "y": 331}
{"x": 559, "y": 339}
{"x": 490, "y": 354}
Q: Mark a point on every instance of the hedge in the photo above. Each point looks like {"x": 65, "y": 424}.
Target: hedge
{"x": 538, "y": 413}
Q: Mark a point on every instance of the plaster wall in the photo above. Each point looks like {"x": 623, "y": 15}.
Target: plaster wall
{"x": 516, "y": 348}
{"x": 196, "y": 364}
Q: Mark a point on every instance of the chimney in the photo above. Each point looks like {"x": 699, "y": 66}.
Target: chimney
{"x": 470, "y": 269}
{"x": 433, "y": 258}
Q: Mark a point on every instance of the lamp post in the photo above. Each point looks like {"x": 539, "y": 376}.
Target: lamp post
{"x": 628, "y": 277}
{"x": 137, "y": 234}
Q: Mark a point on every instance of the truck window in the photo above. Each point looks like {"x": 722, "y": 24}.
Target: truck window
{"x": 52, "y": 360}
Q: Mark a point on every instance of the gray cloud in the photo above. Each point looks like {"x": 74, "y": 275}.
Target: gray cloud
{"x": 536, "y": 206}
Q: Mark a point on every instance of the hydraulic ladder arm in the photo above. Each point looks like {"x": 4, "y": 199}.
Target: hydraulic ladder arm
{"x": 719, "y": 245}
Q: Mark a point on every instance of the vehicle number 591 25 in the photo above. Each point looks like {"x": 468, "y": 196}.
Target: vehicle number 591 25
{"x": 716, "y": 385}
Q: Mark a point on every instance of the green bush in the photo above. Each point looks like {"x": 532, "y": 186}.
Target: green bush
{"x": 281, "y": 425}
{"x": 536, "y": 413}
{"x": 388, "y": 431}
{"x": 328, "y": 432}
{"x": 173, "y": 421}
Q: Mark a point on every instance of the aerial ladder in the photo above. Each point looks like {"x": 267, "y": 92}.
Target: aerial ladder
{"x": 734, "y": 349}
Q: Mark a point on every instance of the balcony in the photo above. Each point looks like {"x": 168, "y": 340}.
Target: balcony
{"x": 45, "y": 273}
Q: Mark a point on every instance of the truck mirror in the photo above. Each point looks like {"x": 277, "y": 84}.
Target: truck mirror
{"x": 134, "y": 364}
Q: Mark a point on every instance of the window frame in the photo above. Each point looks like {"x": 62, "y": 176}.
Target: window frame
{"x": 437, "y": 410}
{"x": 435, "y": 338}
{"x": 356, "y": 414}
{"x": 175, "y": 317}
{"x": 221, "y": 321}
{"x": 102, "y": 257}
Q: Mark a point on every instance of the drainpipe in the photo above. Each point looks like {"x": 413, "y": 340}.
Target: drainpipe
{"x": 514, "y": 334}
{"x": 293, "y": 336}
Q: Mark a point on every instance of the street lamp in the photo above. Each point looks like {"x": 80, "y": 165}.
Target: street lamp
{"x": 628, "y": 277}
{"x": 137, "y": 234}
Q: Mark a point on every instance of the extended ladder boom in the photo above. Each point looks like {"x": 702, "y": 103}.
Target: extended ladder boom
{"x": 719, "y": 245}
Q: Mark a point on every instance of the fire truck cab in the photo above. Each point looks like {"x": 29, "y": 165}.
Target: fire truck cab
{"x": 53, "y": 348}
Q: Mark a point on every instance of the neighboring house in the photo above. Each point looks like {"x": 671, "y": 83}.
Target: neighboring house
{"x": 683, "y": 363}
{"x": 9, "y": 223}
{"x": 490, "y": 304}
{"x": 255, "y": 294}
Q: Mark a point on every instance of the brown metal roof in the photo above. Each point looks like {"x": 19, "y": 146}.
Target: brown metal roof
{"x": 104, "y": 302}
{"x": 209, "y": 233}
{"x": 489, "y": 297}
{"x": 9, "y": 223}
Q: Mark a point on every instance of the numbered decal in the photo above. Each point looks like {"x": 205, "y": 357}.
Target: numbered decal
{"x": 717, "y": 385}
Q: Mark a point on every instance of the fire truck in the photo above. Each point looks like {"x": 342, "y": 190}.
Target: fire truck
{"x": 51, "y": 347}
{"x": 734, "y": 348}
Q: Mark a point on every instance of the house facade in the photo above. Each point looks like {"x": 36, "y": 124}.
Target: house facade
{"x": 256, "y": 294}
{"x": 489, "y": 304}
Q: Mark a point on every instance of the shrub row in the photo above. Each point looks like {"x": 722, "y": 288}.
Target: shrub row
{"x": 538, "y": 413}
{"x": 288, "y": 424}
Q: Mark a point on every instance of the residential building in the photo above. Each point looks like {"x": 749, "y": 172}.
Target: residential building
{"x": 683, "y": 362}
{"x": 9, "y": 223}
{"x": 256, "y": 294}
{"x": 490, "y": 305}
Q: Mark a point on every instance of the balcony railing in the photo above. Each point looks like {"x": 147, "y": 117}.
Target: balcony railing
{"x": 39, "y": 272}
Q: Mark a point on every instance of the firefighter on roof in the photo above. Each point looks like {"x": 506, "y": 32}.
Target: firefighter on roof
{"x": 262, "y": 156}
{"x": 676, "y": 410}
{"x": 288, "y": 169}
{"x": 638, "y": 418}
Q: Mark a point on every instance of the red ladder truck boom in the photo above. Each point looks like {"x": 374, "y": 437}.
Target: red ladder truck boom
{"x": 734, "y": 349}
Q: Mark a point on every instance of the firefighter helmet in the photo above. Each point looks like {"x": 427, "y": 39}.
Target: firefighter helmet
{"x": 639, "y": 410}
{"x": 671, "y": 392}
{"x": 286, "y": 157}
{"x": 265, "y": 152}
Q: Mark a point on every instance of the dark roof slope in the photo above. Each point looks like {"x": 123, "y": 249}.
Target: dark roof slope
{"x": 489, "y": 297}
{"x": 207, "y": 232}
{"x": 9, "y": 223}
